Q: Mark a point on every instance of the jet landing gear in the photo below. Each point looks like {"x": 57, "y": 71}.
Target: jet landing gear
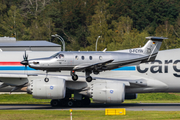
{"x": 70, "y": 102}
{"x": 74, "y": 76}
{"x": 46, "y": 79}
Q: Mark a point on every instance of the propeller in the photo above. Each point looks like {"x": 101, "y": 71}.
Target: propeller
{"x": 25, "y": 61}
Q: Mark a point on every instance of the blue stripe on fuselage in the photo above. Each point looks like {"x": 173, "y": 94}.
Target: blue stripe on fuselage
{"x": 15, "y": 68}
{"x": 126, "y": 68}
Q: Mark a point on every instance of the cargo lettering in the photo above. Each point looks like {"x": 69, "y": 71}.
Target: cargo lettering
{"x": 158, "y": 67}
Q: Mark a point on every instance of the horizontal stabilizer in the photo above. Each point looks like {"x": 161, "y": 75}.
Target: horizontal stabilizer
{"x": 156, "y": 38}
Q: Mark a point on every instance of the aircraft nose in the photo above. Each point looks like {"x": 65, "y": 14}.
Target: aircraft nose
{"x": 24, "y": 62}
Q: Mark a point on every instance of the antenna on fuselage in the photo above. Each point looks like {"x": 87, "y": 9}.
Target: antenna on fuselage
{"x": 105, "y": 50}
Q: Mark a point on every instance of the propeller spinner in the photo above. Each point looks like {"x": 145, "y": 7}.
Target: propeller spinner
{"x": 25, "y": 61}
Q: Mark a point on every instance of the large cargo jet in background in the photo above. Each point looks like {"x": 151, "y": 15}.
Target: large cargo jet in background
{"x": 113, "y": 86}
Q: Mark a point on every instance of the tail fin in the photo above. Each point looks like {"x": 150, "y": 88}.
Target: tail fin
{"x": 152, "y": 47}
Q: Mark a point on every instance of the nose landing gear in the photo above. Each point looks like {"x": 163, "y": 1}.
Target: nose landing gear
{"x": 74, "y": 77}
{"x": 46, "y": 79}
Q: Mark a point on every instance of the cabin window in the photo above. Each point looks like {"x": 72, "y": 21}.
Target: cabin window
{"x": 90, "y": 57}
{"x": 82, "y": 57}
{"x": 61, "y": 56}
{"x": 76, "y": 57}
{"x": 100, "y": 57}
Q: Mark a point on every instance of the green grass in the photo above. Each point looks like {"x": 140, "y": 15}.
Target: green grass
{"x": 142, "y": 98}
{"x": 156, "y": 98}
{"x": 85, "y": 115}
{"x": 21, "y": 99}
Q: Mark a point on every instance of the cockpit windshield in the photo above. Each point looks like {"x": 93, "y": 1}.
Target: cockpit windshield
{"x": 58, "y": 55}
{"x": 55, "y": 55}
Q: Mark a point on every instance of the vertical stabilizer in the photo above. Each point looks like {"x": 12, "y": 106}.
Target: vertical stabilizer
{"x": 152, "y": 47}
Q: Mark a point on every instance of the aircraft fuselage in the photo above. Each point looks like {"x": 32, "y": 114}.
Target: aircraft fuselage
{"x": 69, "y": 60}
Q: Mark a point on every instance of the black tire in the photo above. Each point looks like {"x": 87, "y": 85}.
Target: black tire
{"x": 70, "y": 103}
{"x": 54, "y": 103}
{"x": 74, "y": 77}
{"x": 46, "y": 79}
{"x": 89, "y": 79}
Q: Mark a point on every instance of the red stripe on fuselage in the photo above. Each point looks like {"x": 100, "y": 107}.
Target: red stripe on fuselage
{"x": 10, "y": 63}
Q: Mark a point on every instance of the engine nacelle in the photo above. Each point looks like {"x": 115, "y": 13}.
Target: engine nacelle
{"x": 108, "y": 92}
{"x": 54, "y": 89}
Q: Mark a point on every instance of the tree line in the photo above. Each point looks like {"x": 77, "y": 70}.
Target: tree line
{"x": 120, "y": 24}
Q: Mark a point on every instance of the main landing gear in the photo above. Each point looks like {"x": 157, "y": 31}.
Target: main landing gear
{"x": 88, "y": 77}
{"x": 70, "y": 102}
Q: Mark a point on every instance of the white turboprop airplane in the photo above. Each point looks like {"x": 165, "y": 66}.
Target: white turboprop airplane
{"x": 161, "y": 75}
{"x": 95, "y": 61}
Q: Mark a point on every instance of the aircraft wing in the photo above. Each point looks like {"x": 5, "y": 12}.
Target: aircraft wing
{"x": 137, "y": 83}
{"x": 95, "y": 66}
{"x": 12, "y": 81}
{"x": 13, "y": 76}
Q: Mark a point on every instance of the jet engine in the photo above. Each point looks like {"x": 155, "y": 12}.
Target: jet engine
{"x": 54, "y": 89}
{"x": 108, "y": 92}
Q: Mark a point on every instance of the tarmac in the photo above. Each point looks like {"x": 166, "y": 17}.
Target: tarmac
{"x": 98, "y": 106}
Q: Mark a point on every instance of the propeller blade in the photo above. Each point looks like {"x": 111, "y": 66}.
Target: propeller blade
{"x": 25, "y": 61}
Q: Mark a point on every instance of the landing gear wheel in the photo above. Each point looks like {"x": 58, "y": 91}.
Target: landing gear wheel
{"x": 74, "y": 77}
{"x": 54, "y": 103}
{"x": 70, "y": 103}
{"x": 46, "y": 79}
{"x": 89, "y": 79}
